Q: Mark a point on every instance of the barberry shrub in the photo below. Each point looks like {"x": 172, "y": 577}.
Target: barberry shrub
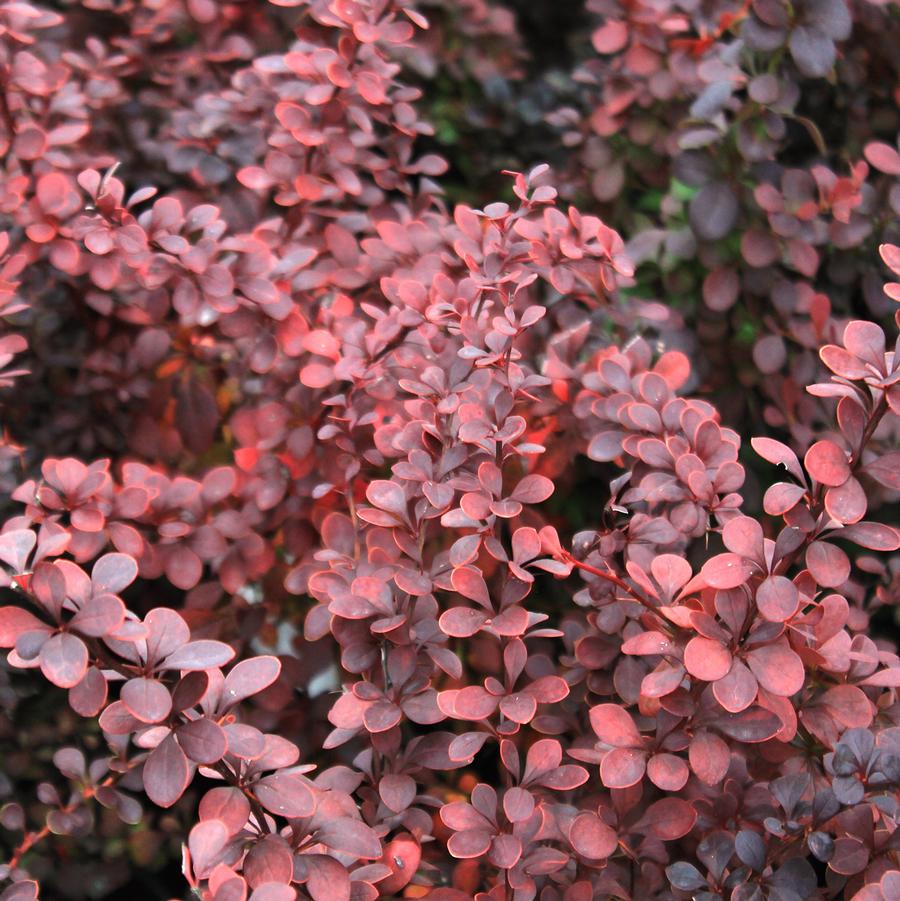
{"x": 359, "y": 542}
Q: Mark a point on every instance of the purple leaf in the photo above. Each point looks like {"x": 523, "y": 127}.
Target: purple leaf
{"x": 199, "y": 655}
{"x": 166, "y": 773}
{"x": 249, "y": 677}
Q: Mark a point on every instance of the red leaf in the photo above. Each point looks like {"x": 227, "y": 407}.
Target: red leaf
{"x": 518, "y": 804}
{"x": 706, "y": 659}
{"x": 849, "y": 706}
{"x": 737, "y": 690}
{"x": 183, "y": 567}
{"x": 461, "y": 622}
{"x": 744, "y": 536}
{"x": 781, "y": 497}
{"x": 64, "y": 660}
{"x": 469, "y": 844}
{"x": 842, "y": 363}
{"x": 519, "y": 707}
{"x": 669, "y": 819}
{"x": 469, "y": 582}
{"x": 146, "y": 700}
{"x": 286, "y": 795}
{"x": 326, "y": 878}
{"x": 725, "y": 571}
{"x": 828, "y": 564}
{"x": 885, "y": 470}
{"x": 752, "y": 725}
{"x": 113, "y": 573}
{"x": 533, "y": 489}
{"x": 614, "y": 726}
{"x": 544, "y": 755}
{"x": 548, "y": 689}
{"x": 397, "y": 791}
{"x": 166, "y": 773}
{"x": 199, "y": 655}
{"x": 605, "y": 446}
{"x": 350, "y": 836}
{"x": 99, "y": 616}
{"x": 14, "y": 621}
{"x": 88, "y": 697}
{"x": 15, "y": 546}
{"x": 387, "y": 496}
{"x": 777, "y": 598}
{"x": 402, "y": 855}
{"x": 779, "y": 454}
{"x": 846, "y": 503}
{"x": 250, "y": 677}
{"x": 650, "y": 643}
{"x": 721, "y": 288}
{"x": 381, "y": 716}
{"x": 667, "y": 772}
{"x": 883, "y": 157}
{"x": 709, "y": 757}
{"x": 228, "y": 805}
{"x": 671, "y": 573}
{"x": 269, "y": 862}
{"x": 777, "y": 668}
{"x": 610, "y": 37}
{"x": 563, "y": 778}
{"x": 473, "y": 703}
{"x": 461, "y": 816}
{"x": 872, "y": 535}
{"x": 206, "y": 841}
{"x": 591, "y": 837}
{"x": 886, "y": 678}
{"x": 203, "y": 740}
{"x": 622, "y": 767}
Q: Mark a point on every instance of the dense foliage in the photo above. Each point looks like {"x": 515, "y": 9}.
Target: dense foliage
{"x": 450, "y": 450}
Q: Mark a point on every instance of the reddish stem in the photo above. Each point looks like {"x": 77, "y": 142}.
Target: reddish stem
{"x": 33, "y": 838}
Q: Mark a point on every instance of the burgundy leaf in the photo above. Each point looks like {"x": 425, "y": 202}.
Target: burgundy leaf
{"x": 100, "y": 615}
{"x": 777, "y": 668}
{"x": 350, "y": 836}
{"x": 725, "y": 571}
{"x": 706, "y": 658}
{"x": 166, "y": 773}
{"x": 146, "y": 699}
{"x": 622, "y": 767}
{"x": 461, "y": 622}
{"x": 206, "y": 841}
{"x": 533, "y": 489}
{"x": 737, "y": 689}
{"x": 14, "y": 621}
{"x": 227, "y": 805}
{"x": 15, "y": 546}
{"x": 709, "y": 757}
{"x": 469, "y": 582}
{"x": 113, "y": 573}
{"x": 518, "y": 804}
{"x": 64, "y": 660}
{"x": 397, "y": 791}
{"x": 669, "y": 819}
{"x": 203, "y": 740}
{"x": 829, "y": 565}
{"x": 777, "y": 598}
{"x": 286, "y": 795}
{"x": 249, "y": 677}
{"x": 591, "y": 837}
{"x": 667, "y": 772}
{"x": 199, "y": 655}
{"x": 614, "y": 726}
